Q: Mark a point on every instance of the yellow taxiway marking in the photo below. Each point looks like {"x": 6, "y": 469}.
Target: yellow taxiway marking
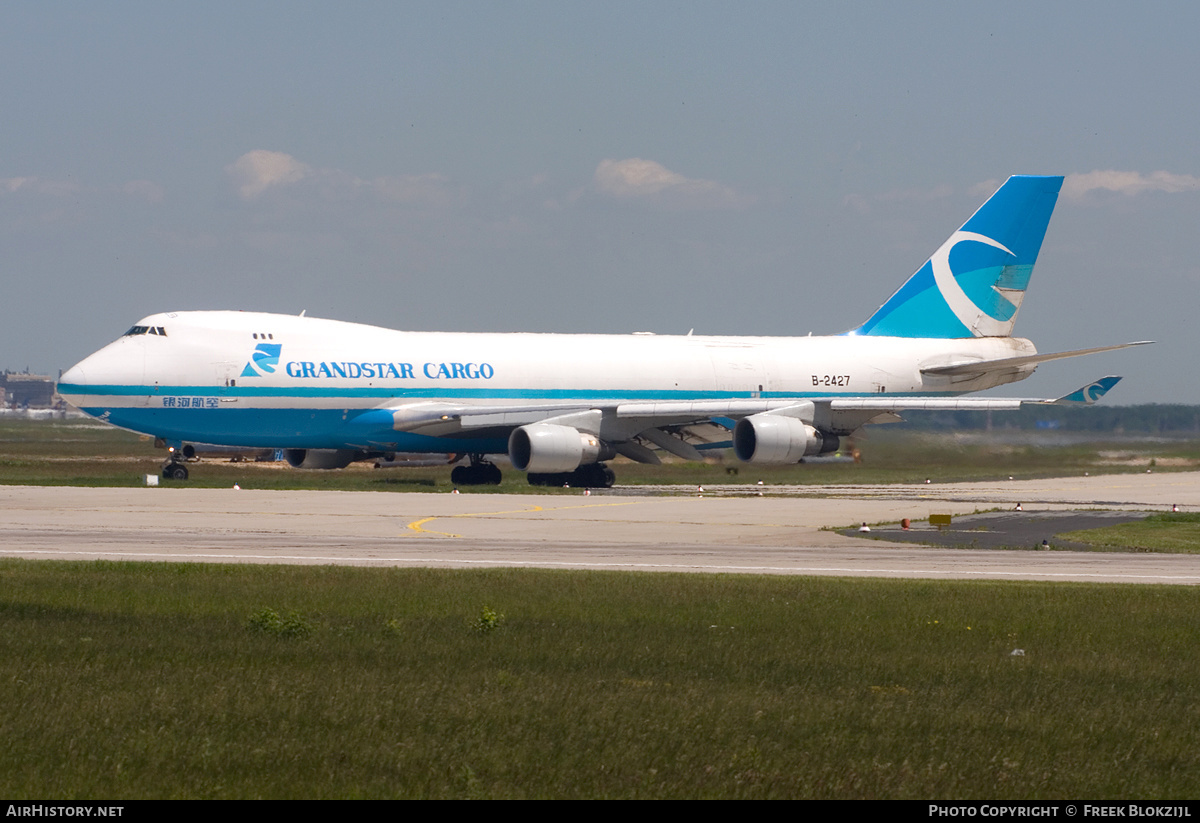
{"x": 418, "y": 526}
{"x": 416, "y": 529}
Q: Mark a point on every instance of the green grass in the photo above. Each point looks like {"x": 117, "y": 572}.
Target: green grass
{"x": 1175, "y": 532}
{"x": 125, "y": 680}
{"x": 90, "y": 454}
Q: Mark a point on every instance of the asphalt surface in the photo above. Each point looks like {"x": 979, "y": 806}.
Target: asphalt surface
{"x": 725, "y": 530}
{"x": 1006, "y": 530}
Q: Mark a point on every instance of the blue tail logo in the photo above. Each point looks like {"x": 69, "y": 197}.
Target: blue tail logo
{"x": 974, "y": 284}
{"x": 264, "y": 360}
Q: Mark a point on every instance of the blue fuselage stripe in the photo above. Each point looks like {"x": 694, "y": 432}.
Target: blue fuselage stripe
{"x": 366, "y": 429}
{"x": 214, "y": 419}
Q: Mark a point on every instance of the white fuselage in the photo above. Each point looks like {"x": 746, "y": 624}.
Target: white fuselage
{"x": 270, "y": 380}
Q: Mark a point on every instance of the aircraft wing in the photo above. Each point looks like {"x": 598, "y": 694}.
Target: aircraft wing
{"x": 686, "y": 428}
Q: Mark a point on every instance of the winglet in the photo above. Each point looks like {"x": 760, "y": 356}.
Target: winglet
{"x": 1089, "y": 394}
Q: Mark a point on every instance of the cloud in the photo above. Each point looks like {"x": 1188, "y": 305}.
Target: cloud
{"x": 636, "y": 178}
{"x": 146, "y": 190}
{"x": 36, "y": 185}
{"x": 985, "y": 189}
{"x": 11, "y": 185}
{"x": 427, "y": 189}
{"x": 1078, "y": 186}
{"x": 258, "y": 170}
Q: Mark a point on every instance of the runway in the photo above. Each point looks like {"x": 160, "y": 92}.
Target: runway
{"x": 715, "y": 532}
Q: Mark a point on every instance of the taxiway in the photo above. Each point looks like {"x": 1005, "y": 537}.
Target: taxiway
{"x": 713, "y": 532}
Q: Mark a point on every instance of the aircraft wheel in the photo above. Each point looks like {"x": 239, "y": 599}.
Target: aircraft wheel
{"x": 594, "y": 476}
{"x": 477, "y": 474}
{"x": 175, "y": 471}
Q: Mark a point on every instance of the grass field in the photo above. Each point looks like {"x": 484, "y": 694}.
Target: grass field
{"x": 1174, "y": 532}
{"x": 155, "y": 680}
{"x": 91, "y": 454}
{"x": 125, "y": 680}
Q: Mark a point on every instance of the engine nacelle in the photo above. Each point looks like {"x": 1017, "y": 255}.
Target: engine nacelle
{"x": 320, "y": 458}
{"x": 774, "y": 438}
{"x": 545, "y": 448}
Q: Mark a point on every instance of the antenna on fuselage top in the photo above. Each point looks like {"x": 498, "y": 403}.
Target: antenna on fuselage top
{"x": 302, "y": 311}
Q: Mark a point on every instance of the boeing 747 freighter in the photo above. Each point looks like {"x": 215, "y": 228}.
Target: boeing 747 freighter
{"x": 560, "y": 405}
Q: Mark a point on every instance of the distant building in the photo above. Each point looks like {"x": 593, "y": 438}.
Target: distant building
{"x": 21, "y": 390}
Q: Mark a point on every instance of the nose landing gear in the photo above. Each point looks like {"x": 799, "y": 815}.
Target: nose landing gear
{"x": 174, "y": 470}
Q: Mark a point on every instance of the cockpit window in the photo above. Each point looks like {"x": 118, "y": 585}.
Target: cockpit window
{"x": 159, "y": 330}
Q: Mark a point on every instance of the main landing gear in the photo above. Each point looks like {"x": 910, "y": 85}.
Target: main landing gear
{"x": 591, "y": 476}
{"x": 479, "y": 473}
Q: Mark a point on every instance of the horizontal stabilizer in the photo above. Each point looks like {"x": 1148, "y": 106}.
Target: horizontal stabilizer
{"x": 978, "y": 367}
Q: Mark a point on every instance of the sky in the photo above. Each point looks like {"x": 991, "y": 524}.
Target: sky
{"x": 755, "y": 168}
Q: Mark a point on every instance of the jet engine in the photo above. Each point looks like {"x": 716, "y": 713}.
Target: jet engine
{"x": 774, "y": 438}
{"x": 549, "y": 448}
{"x": 321, "y": 458}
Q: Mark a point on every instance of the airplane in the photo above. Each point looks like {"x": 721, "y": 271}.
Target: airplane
{"x": 328, "y": 393}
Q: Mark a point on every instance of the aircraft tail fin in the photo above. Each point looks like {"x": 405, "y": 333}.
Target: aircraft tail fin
{"x": 974, "y": 284}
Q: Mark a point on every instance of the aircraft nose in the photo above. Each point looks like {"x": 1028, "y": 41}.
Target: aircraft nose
{"x": 72, "y": 386}
{"x": 74, "y": 376}
{"x": 117, "y": 364}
